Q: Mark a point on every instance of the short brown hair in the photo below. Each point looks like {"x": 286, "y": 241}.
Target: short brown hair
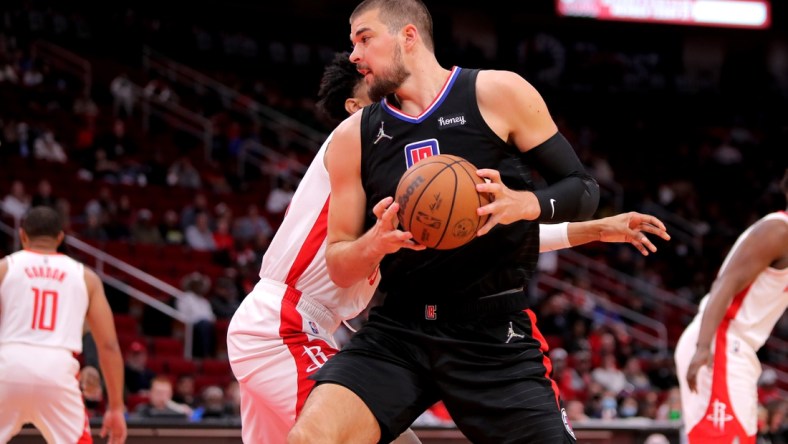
{"x": 42, "y": 221}
{"x": 398, "y": 13}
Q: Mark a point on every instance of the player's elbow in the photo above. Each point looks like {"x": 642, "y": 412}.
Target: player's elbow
{"x": 589, "y": 198}
{"x": 337, "y": 270}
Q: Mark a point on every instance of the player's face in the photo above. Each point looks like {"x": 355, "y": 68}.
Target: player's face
{"x": 377, "y": 55}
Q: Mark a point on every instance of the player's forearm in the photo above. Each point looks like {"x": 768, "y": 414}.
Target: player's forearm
{"x": 351, "y": 261}
{"x": 111, "y": 363}
{"x": 720, "y": 297}
{"x": 580, "y": 233}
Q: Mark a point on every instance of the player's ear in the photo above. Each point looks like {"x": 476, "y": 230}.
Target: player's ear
{"x": 23, "y": 239}
{"x": 410, "y": 34}
{"x": 352, "y": 105}
{"x": 60, "y": 237}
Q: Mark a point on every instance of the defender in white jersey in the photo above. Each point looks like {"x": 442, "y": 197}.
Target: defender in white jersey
{"x": 45, "y": 298}
{"x": 716, "y": 355}
{"x": 283, "y": 330}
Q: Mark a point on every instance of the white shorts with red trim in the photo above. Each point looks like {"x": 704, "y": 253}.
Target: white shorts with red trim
{"x": 275, "y": 341}
{"x": 726, "y": 403}
{"x": 39, "y": 385}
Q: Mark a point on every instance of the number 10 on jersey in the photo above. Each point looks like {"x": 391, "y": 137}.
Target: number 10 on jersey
{"x": 44, "y": 309}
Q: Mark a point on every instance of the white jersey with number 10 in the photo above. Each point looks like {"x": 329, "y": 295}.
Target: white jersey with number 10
{"x": 44, "y": 301}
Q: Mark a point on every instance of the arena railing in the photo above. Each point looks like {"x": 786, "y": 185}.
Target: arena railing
{"x": 65, "y": 60}
{"x": 660, "y": 337}
{"x": 174, "y": 71}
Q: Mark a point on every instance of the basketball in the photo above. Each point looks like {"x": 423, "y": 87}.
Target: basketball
{"x": 438, "y": 201}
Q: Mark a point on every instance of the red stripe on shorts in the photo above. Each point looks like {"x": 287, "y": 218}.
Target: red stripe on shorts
{"x": 544, "y": 349}
{"x": 291, "y": 323}
{"x": 720, "y": 423}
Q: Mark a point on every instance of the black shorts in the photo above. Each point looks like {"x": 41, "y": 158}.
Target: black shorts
{"x": 490, "y": 371}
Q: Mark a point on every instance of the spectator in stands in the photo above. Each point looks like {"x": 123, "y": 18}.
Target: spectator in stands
{"x": 232, "y": 394}
{"x": 213, "y": 405}
{"x": 137, "y": 375}
{"x": 197, "y": 311}
{"x": 85, "y": 107}
{"x": 189, "y": 213}
{"x": 143, "y": 230}
{"x": 94, "y": 229}
{"x": 767, "y": 386}
{"x": 123, "y": 96}
{"x": 224, "y": 242}
{"x": 247, "y": 228}
{"x": 158, "y": 88}
{"x": 161, "y": 404}
{"x": 16, "y": 202}
{"x": 635, "y": 376}
{"x": 92, "y": 391}
{"x": 46, "y": 147}
{"x": 279, "y": 198}
{"x": 199, "y": 236}
{"x": 575, "y": 412}
{"x": 224, "y": 299}
{"x": 44, "y": 195}
{"x": 182, "y": 173}
{"x": 776, "y": 429}
{"x": 670, "y": 409}
{"x": 102, "y": 168}
{"x": 609, "y": 375}
{"x": 628, "y": 407}
{"x": 118, "y": 144}
{"x": 170, "y": 229}
{"x": 184, "y": 391}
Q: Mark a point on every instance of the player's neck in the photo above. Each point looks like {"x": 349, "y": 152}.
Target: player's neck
{"x": 422, "y": 87}
{"x": 41, "y": 246}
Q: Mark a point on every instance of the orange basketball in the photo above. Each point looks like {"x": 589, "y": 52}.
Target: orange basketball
{"x": 438, "y": 201}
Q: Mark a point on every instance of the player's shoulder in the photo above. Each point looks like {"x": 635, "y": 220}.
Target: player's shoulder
{"x": 348, "y": 130}
{"x": 497, "y": 83}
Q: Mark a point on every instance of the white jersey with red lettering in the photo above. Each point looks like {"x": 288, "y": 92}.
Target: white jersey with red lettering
{"x": 43, "y": 301}
{"x": 296, "y": 255}
{"x": 283, "y": 330}
{"x": 725, "y": 405}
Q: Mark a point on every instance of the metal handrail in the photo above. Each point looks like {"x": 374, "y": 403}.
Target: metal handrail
{"x": 154, "y": 60}
{"x": 659, "y": 295}
{"x": 65, "y": 60}
{"x": 661, "y": 337}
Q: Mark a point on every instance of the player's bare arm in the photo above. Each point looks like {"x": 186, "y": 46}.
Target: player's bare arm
{"x": 522, "y": 119}
{"x": 351, "y": 254}
{"x": 102, "y": 326}
{"x": 766, "y": 247}
{"x": 3, "y": 269}
{"x": 514, "y": 109}
{"x": 629, "y": 228}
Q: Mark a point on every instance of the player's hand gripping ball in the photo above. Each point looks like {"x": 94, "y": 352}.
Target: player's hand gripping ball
{"x": 438, "y": 201}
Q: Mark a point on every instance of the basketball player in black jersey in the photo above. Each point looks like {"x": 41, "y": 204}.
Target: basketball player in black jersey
{"x": 445, "y": 328}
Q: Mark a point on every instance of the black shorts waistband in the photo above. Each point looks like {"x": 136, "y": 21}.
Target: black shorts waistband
{"x": 421, "y": 308}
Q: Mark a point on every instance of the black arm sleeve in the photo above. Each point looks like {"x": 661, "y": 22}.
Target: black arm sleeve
{"x": 572, "y": 194}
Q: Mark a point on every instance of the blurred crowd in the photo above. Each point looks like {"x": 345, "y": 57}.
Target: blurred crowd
{"x": 697, "y": 153}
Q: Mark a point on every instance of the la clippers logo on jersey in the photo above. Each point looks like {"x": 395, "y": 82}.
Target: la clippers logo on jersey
{"x": 719, "y": 415}
{"x": 316, "y": 355}
{"x": 422, "y": 149}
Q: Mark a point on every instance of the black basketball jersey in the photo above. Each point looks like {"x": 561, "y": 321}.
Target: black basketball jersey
{"x": 392, "y": 141}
